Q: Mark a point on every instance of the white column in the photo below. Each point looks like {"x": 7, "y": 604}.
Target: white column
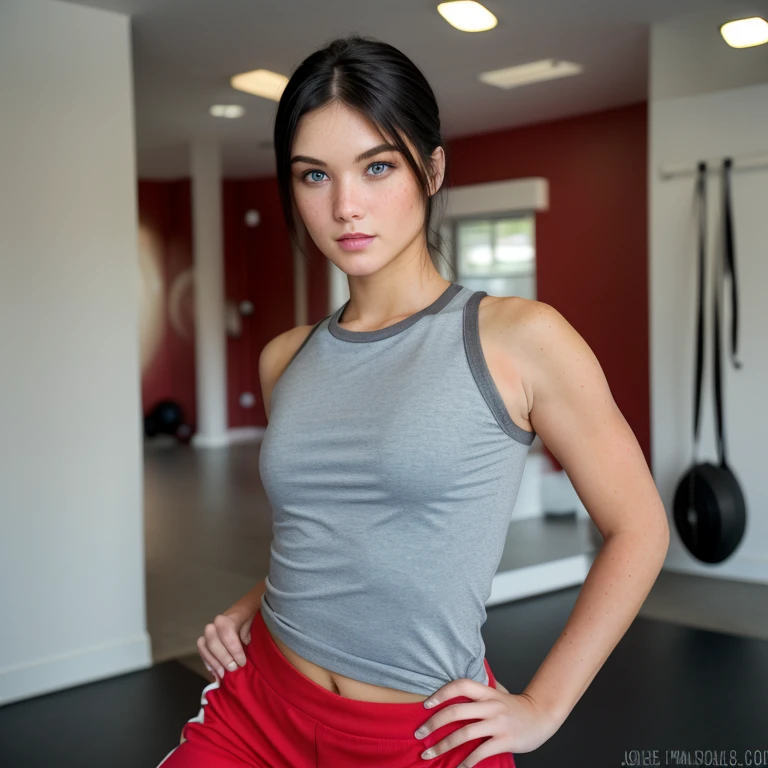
{"x": 210, "y": 332}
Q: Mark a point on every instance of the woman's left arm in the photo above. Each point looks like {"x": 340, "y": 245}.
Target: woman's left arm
{"x": 572, "y": 410}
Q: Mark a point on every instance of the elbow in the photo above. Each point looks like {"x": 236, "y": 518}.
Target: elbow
{"x": 657, "y": 535}
{"x": 657, "y": 538}
{"x": 662, "y": 530}
{"x": 650, "y": 535}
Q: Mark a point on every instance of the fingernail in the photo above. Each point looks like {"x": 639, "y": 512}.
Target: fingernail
{"x": 232, "y": 666}
{"x": 221, "y": 671}
{"x": 429, "y": 753}
{"x": 429, "y": 703}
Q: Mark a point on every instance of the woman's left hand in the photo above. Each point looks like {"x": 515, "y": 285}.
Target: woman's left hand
{"x": 514, "y": 723}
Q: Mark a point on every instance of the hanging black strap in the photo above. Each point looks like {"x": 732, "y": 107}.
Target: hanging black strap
{"x": 717, "y": 364}
{"x": 724, "y": 266}
{"x": 701, "y": 191}
{"x": 701, "y": 196}
{"x": 730, "y": 258}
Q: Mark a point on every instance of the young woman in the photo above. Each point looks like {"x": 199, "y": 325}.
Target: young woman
{"x": 398, "y": 431}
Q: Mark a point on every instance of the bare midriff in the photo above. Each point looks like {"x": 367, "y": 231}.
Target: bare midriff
{"x": 347, "y": 687}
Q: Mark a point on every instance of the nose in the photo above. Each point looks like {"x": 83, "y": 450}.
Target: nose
{"x": 347, "y": 201}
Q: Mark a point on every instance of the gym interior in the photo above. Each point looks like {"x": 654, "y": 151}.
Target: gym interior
{"x": 136, "y": 176}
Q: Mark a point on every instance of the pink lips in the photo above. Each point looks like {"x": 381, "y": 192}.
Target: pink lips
{"x": 356, "y": 243}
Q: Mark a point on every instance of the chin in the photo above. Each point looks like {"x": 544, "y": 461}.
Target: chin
{"x": 358, "y": 264}
{"x": 357, "y": 268}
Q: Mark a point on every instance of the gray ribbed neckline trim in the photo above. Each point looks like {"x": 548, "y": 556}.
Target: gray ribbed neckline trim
{"x": 391, "y": 330}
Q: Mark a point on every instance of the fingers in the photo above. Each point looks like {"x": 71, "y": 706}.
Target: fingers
{"x": 482, "y": 712}
{"x": 210, "y": 661}
{"x": 230, "y": 640}
{"x": 220, "y": 645}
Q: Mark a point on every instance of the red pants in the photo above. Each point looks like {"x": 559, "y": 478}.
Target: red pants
{"x": 267, "y": 714}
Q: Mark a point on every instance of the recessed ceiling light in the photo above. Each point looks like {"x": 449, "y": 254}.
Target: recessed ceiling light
{"x": 261, "y": 82}
{"x": 467, "y": 15}
{"x": 744, "y": 33}
{"x": 227, "y": 110}
{"x": 534, "y": 72}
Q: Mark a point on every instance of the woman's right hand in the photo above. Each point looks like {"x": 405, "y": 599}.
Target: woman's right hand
{"x": 221, "y": 644}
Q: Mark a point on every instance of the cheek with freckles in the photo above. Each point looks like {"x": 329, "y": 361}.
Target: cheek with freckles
{"x": 315, "y": 214}
{"x": 397, "y": 208}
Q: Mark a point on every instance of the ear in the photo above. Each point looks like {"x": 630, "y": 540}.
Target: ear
{"x": 437, "y": 170}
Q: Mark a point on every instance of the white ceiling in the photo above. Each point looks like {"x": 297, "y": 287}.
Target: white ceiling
{"x": 185, "y": 51}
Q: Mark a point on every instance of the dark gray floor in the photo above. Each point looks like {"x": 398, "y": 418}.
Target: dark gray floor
{"x": 665, "y": 687}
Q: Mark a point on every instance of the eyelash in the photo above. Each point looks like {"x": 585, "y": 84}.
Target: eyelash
{"x": 317, "y": 170}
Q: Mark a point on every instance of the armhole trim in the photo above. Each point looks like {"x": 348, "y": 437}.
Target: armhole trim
{"x": 482, "y": 375}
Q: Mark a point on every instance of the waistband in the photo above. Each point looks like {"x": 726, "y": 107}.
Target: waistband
{"x": 385, "y": 720}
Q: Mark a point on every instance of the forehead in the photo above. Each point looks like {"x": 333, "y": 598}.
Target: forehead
{"x": 335, "y": 128}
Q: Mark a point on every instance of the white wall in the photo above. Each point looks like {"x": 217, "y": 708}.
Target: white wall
{"x": 72, "y": 605}
{"x": 708, "y": 100}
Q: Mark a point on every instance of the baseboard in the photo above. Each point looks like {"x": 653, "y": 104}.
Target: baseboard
{"x": 86, "y": 665}
{"x": 230, "y": 437}
{"x": 245, "y": 434}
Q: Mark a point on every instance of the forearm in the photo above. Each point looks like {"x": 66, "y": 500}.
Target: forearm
{"x": 616, "y": 586}
{"x": 250, "y": 602}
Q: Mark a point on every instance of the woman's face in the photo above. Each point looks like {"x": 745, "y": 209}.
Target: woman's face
{"x": 338, "y": 191}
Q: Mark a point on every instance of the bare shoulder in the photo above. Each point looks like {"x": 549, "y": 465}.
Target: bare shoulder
{"x": 551, "y": 345}
{"x": 505, "y": 312}
{"x": 276, "y": 355}
{"x": 543, "y": 342}
{"x": 538, "y": 340}
{"x": 564, "y": 381}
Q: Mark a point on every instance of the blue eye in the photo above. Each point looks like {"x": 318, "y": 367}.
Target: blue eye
{"x": 383, "y": 164}
{"x": 306, "y": 174}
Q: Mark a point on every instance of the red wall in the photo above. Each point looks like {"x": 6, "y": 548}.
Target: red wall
{"x": 591, "y": 250}
{"x": 165, "y": 210}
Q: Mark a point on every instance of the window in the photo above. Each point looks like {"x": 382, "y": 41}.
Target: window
{"x": 496, "y": 254}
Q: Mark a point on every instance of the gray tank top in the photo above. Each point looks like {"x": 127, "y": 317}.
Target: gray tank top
{"x": 392, "y": 467}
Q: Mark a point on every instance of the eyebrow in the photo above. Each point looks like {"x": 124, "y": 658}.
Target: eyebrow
{"x": 364, "y": 156}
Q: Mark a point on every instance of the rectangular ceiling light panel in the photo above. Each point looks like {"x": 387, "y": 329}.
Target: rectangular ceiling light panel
{"x": 534, "y": 72}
